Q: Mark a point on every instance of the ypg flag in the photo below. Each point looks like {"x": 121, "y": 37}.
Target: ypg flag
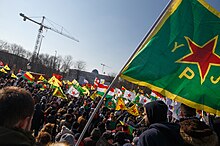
{"x": 180, "y": 58}
{"x": 58, "y": 92}
{"x": 120, "y": 105}
{"x": 133, "y": 110}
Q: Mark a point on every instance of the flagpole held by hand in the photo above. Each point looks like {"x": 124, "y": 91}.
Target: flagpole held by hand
{"x": 117, "y": 76}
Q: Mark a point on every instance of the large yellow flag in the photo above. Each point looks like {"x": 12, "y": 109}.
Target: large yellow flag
{"x": 120, "y": 105}
{"x": 59, "y": 93}
{"x": 133, "y": 110}
{"x": 54, "y": 81}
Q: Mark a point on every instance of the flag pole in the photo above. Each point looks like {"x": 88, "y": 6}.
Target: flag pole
{"x": 117, "y": 76}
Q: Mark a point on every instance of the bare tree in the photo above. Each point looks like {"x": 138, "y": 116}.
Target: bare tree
{"x": 67, "y": 63}
{"x": 44, "y": 59}
{"x": 17, "y": 50}
{"x": 4, "y": 45}
{"x": 28, "y": 54}
{"x": 80, "y": 65}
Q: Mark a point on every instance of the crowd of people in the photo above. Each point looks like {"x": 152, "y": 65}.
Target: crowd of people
{"x": 31, "y": 116}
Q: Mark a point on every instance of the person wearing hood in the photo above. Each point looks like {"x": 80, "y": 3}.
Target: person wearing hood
{"x": 92, "y": 140}
{"x": 193, "y": 131}
{"x": 159, "y": 132}
{"x": 16, "y": 113}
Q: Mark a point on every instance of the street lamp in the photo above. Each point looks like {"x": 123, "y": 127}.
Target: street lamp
{"x": 28, "y": 66}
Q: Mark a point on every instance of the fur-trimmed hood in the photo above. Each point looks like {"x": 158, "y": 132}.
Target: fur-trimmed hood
{"x": 197, "y": 133}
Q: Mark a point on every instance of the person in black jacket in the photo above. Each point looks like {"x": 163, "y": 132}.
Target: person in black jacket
{"x": 16, "y": 112}
{"x": 159, "y": 132}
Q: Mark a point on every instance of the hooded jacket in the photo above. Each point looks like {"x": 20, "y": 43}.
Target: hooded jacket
{"x": 197, "y": 133}
{"x": 15, "y": 137}
{"x": 161, "y": 134}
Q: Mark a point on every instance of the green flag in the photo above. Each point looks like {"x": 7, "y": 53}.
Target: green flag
{"x": 181, "y": 57}
{"x": 110, "y": 103}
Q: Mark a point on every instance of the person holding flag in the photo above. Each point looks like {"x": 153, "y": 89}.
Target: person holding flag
{"x": 160, "y": 132}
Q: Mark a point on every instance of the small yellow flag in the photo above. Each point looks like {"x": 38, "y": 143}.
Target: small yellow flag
{"x": 41, "y": 78}
{"x": 14, "y": 76}
{"x": 133, "y": 110}
{"x": 120, "y": 105}
{"x": 2, "y": 70}
{"x": 6, "y": 67}
{"x": 75, "y": 82}
{"x": 86, "y": 92}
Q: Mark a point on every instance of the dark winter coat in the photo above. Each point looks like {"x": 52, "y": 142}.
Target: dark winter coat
{"x": 15, "y": 137}
{"x": 197, "y": 133}
{"x": 161, "y": 134}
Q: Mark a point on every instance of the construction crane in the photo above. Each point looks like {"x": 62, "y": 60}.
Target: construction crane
{"x": 40, "y": 36}
{"x": 103, "y": 65}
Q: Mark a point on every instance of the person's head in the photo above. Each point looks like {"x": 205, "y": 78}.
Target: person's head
{"x": 119, "y": 127}
{"x": 95, "y": 134}
{"x": 69, "y": 138}
{"x": 120, "y": 138}
{"x": 48, "y": 128}
{"x": 16, "y": 108}
{"x": 186, "y": 111}
{"x": 68, "y": 117}
{"x": 135, "y": 141}
{"x": 108, "y": 136}
{"x": 43, "y": 138}
{"x": 59, "y": 144}
{"x": 155, "y": 112}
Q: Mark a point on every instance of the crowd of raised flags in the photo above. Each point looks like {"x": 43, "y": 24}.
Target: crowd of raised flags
{"x": 118, "y": 99}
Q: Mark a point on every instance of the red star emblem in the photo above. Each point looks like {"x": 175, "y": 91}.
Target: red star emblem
{"x": 129, "y": 95}
{"x": 203, "y": 56}
{"x": 134, "y": 111}
{"x": 110, "y": 103}
{"x": 121, "y": 106}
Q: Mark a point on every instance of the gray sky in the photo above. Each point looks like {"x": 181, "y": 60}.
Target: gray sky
{"x": 108, "y": 30}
